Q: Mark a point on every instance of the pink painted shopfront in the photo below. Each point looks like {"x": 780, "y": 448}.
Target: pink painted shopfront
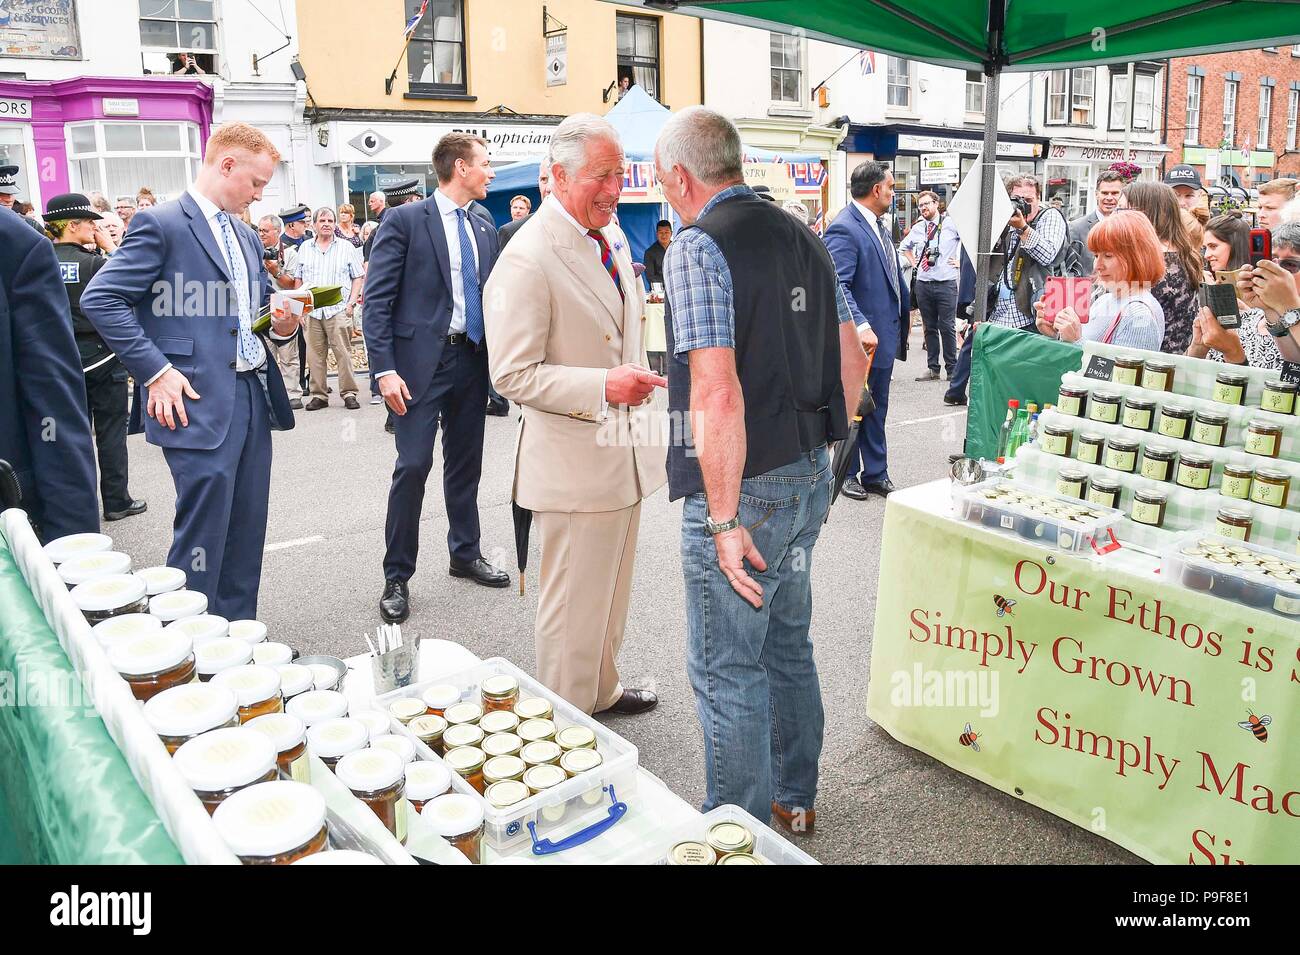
{"x": 100, "y": 134}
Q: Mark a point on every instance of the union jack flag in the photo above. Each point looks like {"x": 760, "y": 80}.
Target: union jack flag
{"x": 867, "y": 62}
{"x": 414, "y": 22}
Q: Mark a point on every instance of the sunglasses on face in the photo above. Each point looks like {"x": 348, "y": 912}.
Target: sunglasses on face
{"x": 1291, "y": 265}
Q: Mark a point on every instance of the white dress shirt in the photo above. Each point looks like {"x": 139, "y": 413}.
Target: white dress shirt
{"x": 595, "y": 247}
{"x": 451, "y": 229}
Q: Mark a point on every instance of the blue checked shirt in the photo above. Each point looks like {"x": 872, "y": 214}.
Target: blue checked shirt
{"x": 1046, "y": 237}
{"x": 338, "y": 264}
{"x": 698, "y": 284}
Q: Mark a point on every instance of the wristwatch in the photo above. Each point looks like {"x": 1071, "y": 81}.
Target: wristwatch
{"x": 1284, "y": 325}
{"x": 716, "y": 528}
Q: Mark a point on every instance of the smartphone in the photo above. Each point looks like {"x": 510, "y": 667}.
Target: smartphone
{"x": 1221, "y": 300}
{"x": 1067, "y": 292}
{"x": 1261, "y": 246}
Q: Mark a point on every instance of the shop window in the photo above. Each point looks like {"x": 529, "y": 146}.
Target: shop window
{"x": 1192, "y": 126}
{"x": 975, "y": 92}
{"x": 13, "y": 151}
{"x": 436, "y": 56}
{"x": 117, "y": 159}
{"x": 1143, "y": 101}
{"x": 638, "y": 52}
{"x": 899, "y": 82}
{"x": 786, "y": 59}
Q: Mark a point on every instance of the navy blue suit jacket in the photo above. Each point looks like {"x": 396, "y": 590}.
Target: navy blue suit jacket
{"x": 860, "y": 262}
{"x": 166, "y": 296}
{"x": 44, "y": 430}
{"x": 408, "y": 301}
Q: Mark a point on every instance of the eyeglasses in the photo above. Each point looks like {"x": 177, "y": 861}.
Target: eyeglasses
{"x": 1291, "y": 265}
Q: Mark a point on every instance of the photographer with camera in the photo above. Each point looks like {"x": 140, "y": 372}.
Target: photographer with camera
{"x": 934, "y": 249}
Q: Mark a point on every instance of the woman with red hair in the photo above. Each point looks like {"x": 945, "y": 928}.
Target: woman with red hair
{"x": 1129, "y": 261}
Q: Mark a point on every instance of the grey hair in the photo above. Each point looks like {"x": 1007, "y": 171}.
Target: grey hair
{"x": 381, "y": 194}
{"x": 1288, "y": 234}
{"x": 704, "y": 143}
{"x": 570, "y": 139}
{"x": 315, "y": 216}
{"x": 274, "y": 220}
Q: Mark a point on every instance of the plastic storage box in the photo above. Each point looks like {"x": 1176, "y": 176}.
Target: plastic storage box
{"x": 1234, "y": 570}
{"x": 768, "y": 844}
{"x": 1040, "y": 517}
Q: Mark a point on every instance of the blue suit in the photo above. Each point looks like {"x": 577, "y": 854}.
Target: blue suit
{"x": 862, "y": 265}
{"x": 44, "y": 431}
{"x": 166, "y": 297}
{"x": 409, "y": 310}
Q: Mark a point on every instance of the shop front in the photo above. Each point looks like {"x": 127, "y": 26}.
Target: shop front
{"x": 813, "y": 154}
{"x": 1250, "y": 166}
{"x": 1073, "y": 167}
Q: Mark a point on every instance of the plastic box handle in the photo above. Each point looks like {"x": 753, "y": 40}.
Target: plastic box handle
{"x": 545, "y": 847}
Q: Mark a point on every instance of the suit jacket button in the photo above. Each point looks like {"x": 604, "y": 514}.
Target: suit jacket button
{"x": 607, "y": 338}
{"x": 234, "y": 332}
{"x": 232, "y": 364}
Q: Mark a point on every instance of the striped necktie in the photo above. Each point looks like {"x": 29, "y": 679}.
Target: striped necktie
{"x": 607, "y": 259}
{"x": 469, "y": 282}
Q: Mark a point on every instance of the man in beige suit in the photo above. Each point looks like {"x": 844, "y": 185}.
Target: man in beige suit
{"x": 563, "y": 311}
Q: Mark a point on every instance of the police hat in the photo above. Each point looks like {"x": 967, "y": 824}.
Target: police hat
{"x": 1184, "y": 176}
{"x": 296, "y": 214}
{"x": 401, "y": 191}
{"x": 72, "y": 205}
{"x": 9, "y": 180}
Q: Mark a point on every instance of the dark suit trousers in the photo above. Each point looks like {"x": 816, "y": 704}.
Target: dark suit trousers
{"x": 107, "y": 407}
{"x": 872, "y": 450}
{"x": 221, "y": 505}
{"x": 938, "y": 304}
{"x": 457, "y": 396}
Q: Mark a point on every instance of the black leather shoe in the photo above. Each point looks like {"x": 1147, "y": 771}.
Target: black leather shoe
{"x": 395, "y": 604}
{"x": 928, "y": 376}
{"x": 501, "y": 410}
{"x": 389, "y": 426}
{"x": 853, "y": 490}
{"x": 350, "y": 402}
{"x": 481, "y": 572}
{"x": 883, "y": 488}
{"x": 633, "y": 702}
{"x": 957, "y": 401}
{"x": 295, "y": 404}
{"x": 131, "y": 510}
{"x": 317, "y": 404}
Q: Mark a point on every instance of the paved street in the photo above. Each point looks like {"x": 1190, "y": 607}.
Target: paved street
{"x": 880, "y": 801}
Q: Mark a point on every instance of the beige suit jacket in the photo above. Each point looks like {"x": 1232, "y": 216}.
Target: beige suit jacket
{"x": 555, "y": 324}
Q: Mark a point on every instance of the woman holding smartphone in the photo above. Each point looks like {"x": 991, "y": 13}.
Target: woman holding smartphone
{"x": 1227, "y": 245}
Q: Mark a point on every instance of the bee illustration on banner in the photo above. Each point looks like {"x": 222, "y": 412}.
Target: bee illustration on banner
{"x": 968, "y": 738}
{"x": 1003, "y": 604}
{"x": 1256, "y": 725}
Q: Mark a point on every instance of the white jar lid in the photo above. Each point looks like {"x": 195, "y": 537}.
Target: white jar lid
{"x": 340, "y": 857}
{"x": 407, "y": 708}
{"x": 501, "y": 685}
{"x": 78, "y": 570}
{"x": 426, "y": 779}
{"x": 316, "y": 706}
{"x": 462, "y": 734}
{"x": 217, "y": 655}
{"x": 177, "y": 604}
{"x": 544, "y": 776}
{"x": 377, "y": 723}
{"x": 400, "y": 745}
{"x": 75, "y": 545}
{"x": 580, "y": 761}
{"x": 202, "y": 628}
{"x": 337, "y": 737}
{"x": 498, "y": 721}
{"x": 502, "y": 744}
{"x": 150, "y": 653}
{"x": 270, "y": 819}
{"x": 294, "y": 678}
{"x": 113, "y": 629}
{"x": 270, "y": 653}
{"x": 162, "y": 580}
{"x": 453, "y": 815}
{"x": 576, "y": 737}
{"x": 504, "y": 767}
{"x": 250, "y": 631}
{"x": 282, "y": 729}
{"x": 108, "y": 593}
{"x": 440, "y": 696}
{"x": 323, "y": 676}
{"x": 369, "y": 770}
{"x": 250, "y": 683}
{"x": 190, "y": 710}
{"x": 225, "y": 758}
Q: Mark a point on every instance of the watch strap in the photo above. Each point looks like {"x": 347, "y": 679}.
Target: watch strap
{"x": 715, "y": 527}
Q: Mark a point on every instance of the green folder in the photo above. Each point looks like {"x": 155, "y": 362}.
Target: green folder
{"x": 321, "y": 297}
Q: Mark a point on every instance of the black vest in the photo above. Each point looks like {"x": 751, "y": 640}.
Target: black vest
{"x": 787, "y": 342}
{"x": 77, "y": 266}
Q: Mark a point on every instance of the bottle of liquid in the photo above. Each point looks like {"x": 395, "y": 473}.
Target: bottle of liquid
{"x": 1033, "y": 427}
{"x": 1005, "y": 435}
{"x": 1019, "y": 433}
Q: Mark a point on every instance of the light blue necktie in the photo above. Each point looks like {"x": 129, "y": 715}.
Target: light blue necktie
{"x": 469, "y": 283}
{"x": 891, "y": 257}
{"x": 250, "y": 349}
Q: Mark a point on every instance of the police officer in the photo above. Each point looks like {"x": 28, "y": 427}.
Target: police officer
{"x": 9, "y": 193}
{"x": 70, "y": 220}
{"x": 295, "y": 227}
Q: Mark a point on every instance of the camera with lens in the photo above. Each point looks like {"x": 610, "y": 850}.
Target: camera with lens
{"x": 931, "y": 256}
{"x": 1021, "y": 205}
{"x": 270, "y": 255}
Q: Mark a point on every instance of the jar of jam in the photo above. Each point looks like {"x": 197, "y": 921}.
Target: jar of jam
{"x": 1230, "y": 388}
{"x": 1272, "y": 487}
{"x": 289, "y": 737}
{"x": 87, "y": 567}
{"x": 203, "y": 628}
{"x": 400, "y": 746}
{"x": 1149, "y": 507}
{"x": 272, "y": 654}
{"x": 426, "y": 780}
{"x": 406, "y": 709}
{"x": 428, "y": 729}
{"x": 1121, "y": 455}
{"x": 107, "y": 597}
{"x": 161, "y": 580}
{"x": 577, "y": 761}
{"x": 1279, "y": 396}
{"x": 256, "y": 687}
{"x": 377, "y": 777}
{"x": 153, "y": 663}
{"x": 1175, "y": 421}
{"x": 543, "y": 777}
{"x": 725, "y": 838}
{"x": 1158, "y": 462}
{"x": 220, "y": 763}
{"x": 499, "y": 692}
{"x": 1234, "y": 522}
{"x": 178, "y": 604}
{"x": 530, "y": 731}
{"x": 459, "y": 820}
{"x": 1072, "y": 482}
{"x": 1056, "y": 440}
{"x": 462, "y": 734}
{"x": 294, "y": 680}
{"x": 576, "y": 737}
{"x": 438, "y": 697}
{"x": 1139, "y": 414}
{"x": 1287, "y": 599}
{"x": 467, "y": 762}
{"x": 1105, "y": 407}
{"x": 503, "y": 767}
{"x": 505, "y": 794}
{"x": 63, "y": 549}
{"x": 331, "y": 740}
{"x": 502, "y": 744}
{"x": 213, "y": 656}
{"x": 1072, "y": 401}
{"x": 251, "y": 632}
{"x": 1236, "y": 482}
{"x": 324, "y": 676}
{"x": 1127, "y": 370}
{"x": 1210, "y": 427}
{"x": 498, "y": 721}
{"x": 1104, "y": 491}
{"x": 109, "y": 632}
{"x": 317, "y": 706}
{"x": 1194, "y": 472}
{"x": 541, "y": 753}
{"x": 184, "y": 712}
{"x": 1157, "y": 375}
{"x": 1264, "y": 438}
{"x": 534, "y": 708}
{"x": 275, "y": 823}
{"x": 691, "y": 853}
{"x": 1092, "y": 446}
{"x": 461, "y": 714}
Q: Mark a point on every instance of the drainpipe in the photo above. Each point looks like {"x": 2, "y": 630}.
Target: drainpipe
{"x": 1164, "y": 130}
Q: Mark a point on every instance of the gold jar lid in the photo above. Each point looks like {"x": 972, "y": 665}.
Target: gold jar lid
{"x": 499, "y": 687}
{"x": 534, "y": 707}
{"x": 502, "y": 744}
{"x": 576, "y": 737}
{"x": 498, "y": 721}
{"x": 546, "y": 776}
{"x": 462, "y": 734}
{"x": 503, "y": 767}
{"x": 691, "y": 853}
{"x": 465, "y": 760}
{"x": 536, "y": 729}
{"x": 541, "y": 752}
{"x": 407, "y": 709}
{"x": 506, "y": 793}
{"x": 728, "y": 837}
{"x": 428, "y": 727}
{"x": 741, "y": 858}
{"x": 460, "y": 713}
{"x": 577, "y": 761}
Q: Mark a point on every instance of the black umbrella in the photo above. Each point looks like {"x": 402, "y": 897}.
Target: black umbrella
{"x": 523, "y": 525}
{"x": 845, "y": 450}
{"x": 11, "y": 494}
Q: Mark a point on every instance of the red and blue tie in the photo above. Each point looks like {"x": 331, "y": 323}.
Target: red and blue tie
{"x": 607, "y": 259}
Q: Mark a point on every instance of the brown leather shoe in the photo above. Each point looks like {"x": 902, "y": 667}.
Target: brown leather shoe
{"x": 796, "y": 822}
{"x": 633, "y": 702}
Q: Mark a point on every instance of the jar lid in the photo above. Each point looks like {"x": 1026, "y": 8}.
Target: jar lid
{"x": 468, "y": 712}
{"x": 1067, "y": 474}
{"x": 692, "y": 853}
{"x": 294, "y": 679}
{"x": 1123, "y": 444}
{"x": 1142, "y": 403}
{"x": 1238, "y": 469}
{"x": 1212, "y": 417}
{"x": 203, "y": 628}
{"x": 1232, "y": 378}
{"x": 577, "y": 737}
{"x": 370, "y": 770}
{"x": 545, "y": 776}
{"x": 1176, "y": 411}
{"x": 1102, "y": 483}
{"x": 1280, "y": 384}
{"x": 1272, "y": 475}
{"x": 324, "y": 676}
{"x": 250, "y": 631}
{"x": 217, "y": 655}
{"x": 580, "y": 761}
{"x": 1109, "y": 397}
{"x": 162, "y": 580}
{"x": 270, "y": 819}
{"x": 337, "y": 737}
{"x": 453, "y": 815}
{"x": 225, "y": 758}
{"x": 340, "y": 857}
{"x": 740, "y": 858}
{"x": 504, "y": 767}
{"x": 407, "y": 708}
{"x": 1159, "y": 451}
{"x": 399, "y": 745}
{"x": 1156, "y": 364}
{"x": 542, "y": 751}
{"x": 426, "y": 779}
{"x": 108, "y": 593}
{"x": 1236, "y": 514}
{"x": 1058, "y": 430}
{"x": 316, "y": 706}
{"x": 462, "y": 734}
{"x": 498, "y": 721}
{"x": 499, "y": 687}
{"x": 250, "y": 683}
{"x": 376, "y": 723}
{"x": 1151, "y": 496}
{"x": 75, "y": 545}
{"x": 440, "y": 696}
{"x": 1256, "y": 424}
{"x": 1197, "y": 461}
{"x": 1129, "y": 359}
{"x": 536, "y": 729}
{"x": 506, "y": 793}
{"x": 150, "y": 653}
{"x": 78, "y": 570}
{"x": 191, "y": 709}
{"x": 502, "y": 744}
{"x": 177, "y": 604}
{"x": 430, "y": 725}
{"x": 270, "y": 653}
{"x": 730, "y": 837}
{"x": 465, "y": 759}
{"x": 282, "y": 729}
{"x": 127, "y": 625}
{"x": 1092, "y": 437}
{"x": 533, "y": 708}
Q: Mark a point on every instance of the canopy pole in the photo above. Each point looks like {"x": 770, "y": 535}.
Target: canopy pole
{"x": 988, "y": 180}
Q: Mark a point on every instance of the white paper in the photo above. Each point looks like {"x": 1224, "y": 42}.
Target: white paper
{"x": 286, "y": 305}
{"x": 964, "y": 210}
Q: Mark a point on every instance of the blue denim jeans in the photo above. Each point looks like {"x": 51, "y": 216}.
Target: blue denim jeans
{"x": 756, "y": 687}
